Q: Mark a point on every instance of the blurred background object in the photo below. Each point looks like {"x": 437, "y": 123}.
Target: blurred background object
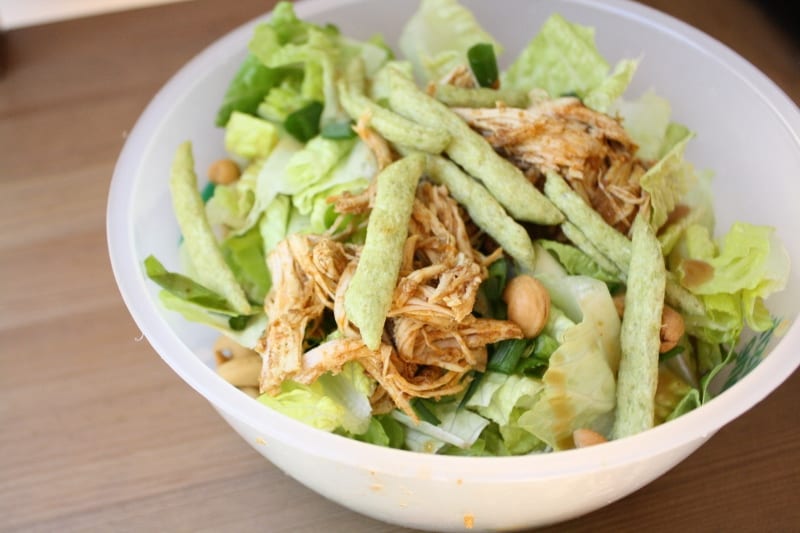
{"x": 21, "y": 13}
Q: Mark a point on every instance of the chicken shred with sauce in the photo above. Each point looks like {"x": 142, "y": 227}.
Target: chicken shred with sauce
{"x": 431, "y": 341}
{"x": 590, "y": 149}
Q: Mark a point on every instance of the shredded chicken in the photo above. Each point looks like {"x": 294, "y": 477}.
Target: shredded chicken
{"x": 349, "y": 203}
{"x": 305, "y": 272}
{"x": 380, "y": 147}
{"x": 460, "y": 76}
{"x": 431, "y": 340}
{"x": 590, "y": 149}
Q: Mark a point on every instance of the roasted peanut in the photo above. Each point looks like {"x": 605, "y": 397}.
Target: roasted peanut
{"x": 619, "y": 303}
{"x": 528, "y": 304}
{"x": 253, "y": 392}
{"x": 586, "y": 437}
{"x": 672, "y": 328}
{"x": 241, "y": 371}
{"x": 226, "y": 348}
{"x": 223, "y": 172}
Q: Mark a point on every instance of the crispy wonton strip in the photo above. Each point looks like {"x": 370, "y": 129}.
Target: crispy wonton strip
{"x": 610, "y": 242}
{"x": 454, "y": 96}
{"x": 577, "y": 237}
{"x": 197, "y": 234}
{"x": 640, "y": 333}
{"x": 471, "y": 151}
{"x": 484, "y": 210}
{"x": 393, "y": 127}
{"x": 369, "y": 296}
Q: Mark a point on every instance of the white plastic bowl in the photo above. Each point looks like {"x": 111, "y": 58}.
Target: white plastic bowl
{"x": 748, "y": 133}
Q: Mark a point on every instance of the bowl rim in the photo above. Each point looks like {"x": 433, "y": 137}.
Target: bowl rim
{"x": 693, "y": 426}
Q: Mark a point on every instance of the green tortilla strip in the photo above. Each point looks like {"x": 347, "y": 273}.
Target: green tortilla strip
{"x": 611, "y": 243}
{"x": 484, "y": 210}
{"x": 369, "y": 295}
{"x": 454, "y": 96}
{"x": 474, "y": 154}
{"x": 577, "y": 237}
{"x": 595, "y": 235}
{"x": 640, "y": 333}
{"x": 212, "y": 270}
{"x": 393, "y": 127}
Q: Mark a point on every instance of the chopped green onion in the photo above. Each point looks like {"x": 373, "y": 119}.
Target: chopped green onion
{"x": 338, "y": 130}
{"x": 669, "y": 354}
{"x": 483, "y": 63}
{"x": 491, "y": 290}
{"x": 423, "y": 411}
{"x": 477, "y": 377}
{"x": 208, "y": 191}
{"x": 303, "y": 124}
{"x": 238, "y": 323}
{"x": 536, "y": 364}
{"x": 508, "y": 353}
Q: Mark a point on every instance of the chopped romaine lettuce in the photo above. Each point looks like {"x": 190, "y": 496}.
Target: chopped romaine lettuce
{"x": 602, "y": 96}
{"x": 245, "y": 256}
{"x": 579, "y": 384}
{"x": 667, "y": 181}
{"x": 247, "y": 89}
{"x": 575, "y": 261}
{"x": 331, "y": 402}
{"x": 436, "y": 38}
{"x": 311, "y": 165}
{"x": 283, "y": 100}
{"x": 561, "y": 59}
{"x": 249, "y": 137}
{"x": 749, "y": 265}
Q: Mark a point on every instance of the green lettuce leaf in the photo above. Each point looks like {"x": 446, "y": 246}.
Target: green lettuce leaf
{"x": 646, "y": 120}
{"x": 503, "y": 399}
{"x": 667, "y": 181}
{"x": 561, "y": 59}
{"x": 601, "y": 97}
{"x": 699, "y": 201}
{"x": 489, "y": 444}
{"x": 458, "y": 427}
{"x": 247, "y": 89}
{"x": 245, "y": 256}
{"x": 287, "y": 42}
{"x": 383, "y": 430}
{"x": 275, "y": 222}
{"x": 249, "y": 137}
{"x": 244, "y": 330}
{"x": 308, "y": 404}
{"x": 312, "y": 165}
{"x": 354, "y": 166}
{"x": 579, "y": 384}
{"x": 231, "y": 204}
{"x": 748, "y": 266}
{"x": 185, "y": 288}
{"x": 575, "y": 261}
{"x": 240, "y": 205}
{"x": 436, "y": 38}
{"x": 331, "y": 402}
{"x": 283, "y": 100}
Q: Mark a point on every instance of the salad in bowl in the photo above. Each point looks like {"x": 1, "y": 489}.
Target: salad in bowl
{"x": 419, "y": 249}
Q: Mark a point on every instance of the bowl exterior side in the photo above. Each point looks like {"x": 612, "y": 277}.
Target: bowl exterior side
{"x": 447, "y": 501}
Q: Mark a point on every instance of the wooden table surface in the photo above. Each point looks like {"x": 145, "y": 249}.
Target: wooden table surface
{"x": 98, "y": 434}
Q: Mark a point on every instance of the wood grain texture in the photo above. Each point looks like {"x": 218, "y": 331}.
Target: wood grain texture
{"x": 99, "y": 435}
